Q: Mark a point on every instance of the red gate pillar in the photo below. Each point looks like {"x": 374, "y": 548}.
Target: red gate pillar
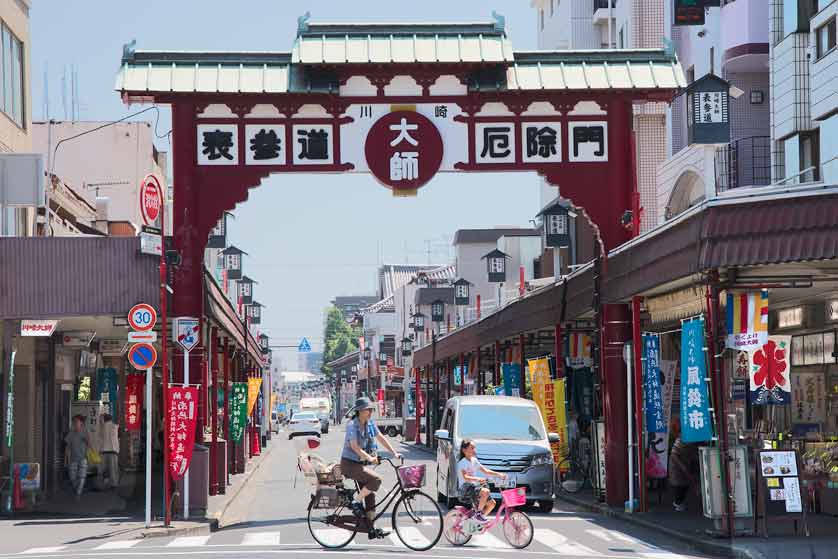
{"x": 225, "y": 418}
{"x": 213, "y": 407}
{"x": 616, "y": 329}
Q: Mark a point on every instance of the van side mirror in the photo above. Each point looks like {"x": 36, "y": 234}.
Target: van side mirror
{"x": 442, "y": 434}
{"x": 554, "y": 438}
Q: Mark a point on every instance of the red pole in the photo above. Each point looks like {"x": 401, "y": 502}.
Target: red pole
{"x": 637, "y": 346}
{"x": 213, "y": 348}
{"x": 416, "y": 403}
{"x": 164, "y": 360}
{"x": 478, "y": 306}
{"x": 558, "y": 350}
{"x": 521, "y": 281}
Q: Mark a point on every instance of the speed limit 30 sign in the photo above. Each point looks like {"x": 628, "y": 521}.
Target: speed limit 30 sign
{"x": 142, "y": 317}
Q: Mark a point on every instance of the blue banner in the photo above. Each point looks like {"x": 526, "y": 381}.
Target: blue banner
{"x": 106, "y": 384}
{"x": 652, "y": 384}
{"x": 695, "y": 402}
{"x": 459, "y": 374}
{"x": 511, "y": 379}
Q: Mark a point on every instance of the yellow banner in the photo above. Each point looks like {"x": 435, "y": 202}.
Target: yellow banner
{"x": 539, "y": 377}
{"x": 253, "y": 386}
{"x": 556, "y": 416}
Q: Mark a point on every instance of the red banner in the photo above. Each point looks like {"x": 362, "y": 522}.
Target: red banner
{"x": 182, "y": 415}
{"x": 134, "y": 385}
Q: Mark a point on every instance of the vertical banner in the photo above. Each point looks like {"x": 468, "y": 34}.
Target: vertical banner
{"x": 382, "y": 409}
{"x": 695, "y": 405}
{"x": 539, "y": 377}
{"x": 578, "y": 350}
{"x": 238, "y": 411}
{"x": 555, "y": 417}
{"x": 656, "y": 426}
{"x": 769, "y": 375}
{"x": 181, "y": 410}
{"x": 511, "y": 379}
{"x": 747, "y": 320}
{"x": 134, "y": 384}
{"x": 253, "y": 386}
{"x": 106, "y": 389}
{"x": 9, "y": 436}
{"x": 657, "y": 465}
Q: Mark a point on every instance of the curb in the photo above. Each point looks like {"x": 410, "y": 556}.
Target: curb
{"x": 701, "y": 545}
{"x": 217, "y": 519}
{"x": 211, "y": 525}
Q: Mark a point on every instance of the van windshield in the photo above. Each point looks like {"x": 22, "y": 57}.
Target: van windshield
{"x": 500, "y": 423}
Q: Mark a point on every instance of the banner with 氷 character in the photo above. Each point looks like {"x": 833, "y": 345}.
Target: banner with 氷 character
{"x": 769, "y": 372}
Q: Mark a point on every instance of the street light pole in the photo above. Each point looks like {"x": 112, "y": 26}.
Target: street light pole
{"x": 165, "y": 366}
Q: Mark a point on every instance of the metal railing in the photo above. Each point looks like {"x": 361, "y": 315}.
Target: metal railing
{"x": 744, "y": 162}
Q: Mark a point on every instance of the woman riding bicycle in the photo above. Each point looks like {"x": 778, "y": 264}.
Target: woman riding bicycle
{"x": 359, "y": 449}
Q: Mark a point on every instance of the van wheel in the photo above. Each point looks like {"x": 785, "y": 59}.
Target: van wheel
{"x": 392, "y": 431}
{"x": 546, "y": 505}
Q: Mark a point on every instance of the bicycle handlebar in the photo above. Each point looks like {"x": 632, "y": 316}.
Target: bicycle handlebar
{"x": 388, "y": 460}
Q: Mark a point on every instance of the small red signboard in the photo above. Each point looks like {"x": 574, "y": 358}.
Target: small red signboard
{"x": 134, "y": 401}
{"x": 404, "y": 150}
{"x": 142, "y": 317}
{"x": 151, "y": 199}
{"x": 142, "y": 356}
{"x": 181, "y": 415}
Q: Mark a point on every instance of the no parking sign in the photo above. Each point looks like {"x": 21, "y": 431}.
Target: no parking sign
{"x": 142, "y": 356}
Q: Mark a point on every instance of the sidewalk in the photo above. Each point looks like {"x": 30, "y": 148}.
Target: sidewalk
{"x": 691, "y": 528}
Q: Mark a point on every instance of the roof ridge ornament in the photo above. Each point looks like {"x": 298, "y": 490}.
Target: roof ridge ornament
{"x": 668, "y": 47}
{"x": 500, "y": 22}
{"x": 128, "y": 50}
{"x": 302, "y": 23}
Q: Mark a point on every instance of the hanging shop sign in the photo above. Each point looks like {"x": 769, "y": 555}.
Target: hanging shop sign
{"x": 238, "y": 411}
{"x": 656, "y": 427}
{"x": 253, "y": 387}
{"x": 696, "y": 423}
{"x": 808, "y": 397}
{"x": 555, "y": 417}
{"x": 37, "y": 328}
{"x": 708, "y": 118}
{"x": 599, "y": 456}
{"x": 511, "y": 379}
{"x": 657, "y": 455}
{"x": 181, "y": 413}
{"x": 151, "y": 199}
{"x": 769, "y": 377}
{"x": 747, "y": 320}
{"x": 10, "y": 404}
{"x": 539, "y": 377}
{"x": 134, "y": 384}
{"x": 106, "y": 389}
{"x": 578, "y": 350}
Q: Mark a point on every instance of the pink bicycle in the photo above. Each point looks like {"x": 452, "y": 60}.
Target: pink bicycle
{"x": 461, "y": 522}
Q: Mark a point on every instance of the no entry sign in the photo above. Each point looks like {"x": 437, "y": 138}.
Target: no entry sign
{"x": 151, "y": 199}
{"x": 142, "y": 317}
{"x": 142, "y": 356}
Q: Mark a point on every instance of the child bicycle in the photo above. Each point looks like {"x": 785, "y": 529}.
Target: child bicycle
{"x": 461, "y": 523}
{"x": 416, "y": 518}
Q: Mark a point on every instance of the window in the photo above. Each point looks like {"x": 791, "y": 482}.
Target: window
{"x": 552, "y": 7}
{"x": 691, "y": 74}
{"x": 501, "y": 422}
{"x": 712, "y": 60}
{"x": 622, "y": 39}
{"x": 11, "y": 56}
{"x": 557, "y": 225}
{"x": 825, "y": 37}
{"x": 541, "y": 18}
{"x": 757, "y": 97}
{"x": 810, "y": 156}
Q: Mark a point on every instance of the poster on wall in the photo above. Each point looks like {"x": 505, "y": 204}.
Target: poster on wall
{"x": 747, "y": 320}
{"x": 769, "y": 376}
{"x": 696, "y": 421}
{"x": 808, "y": 397}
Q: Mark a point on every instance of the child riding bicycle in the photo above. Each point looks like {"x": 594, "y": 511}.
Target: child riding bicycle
{"x": 472, "y": 487}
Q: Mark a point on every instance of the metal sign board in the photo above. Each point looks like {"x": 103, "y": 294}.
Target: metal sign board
{"x": 112, "y": 347}
{"x": 185, "y": 332}
{"x": 151, "y": 243}
{"x": 142, "y": 356}
{"x": 77, "y": 339}
{"x": 148, "y": 337}
{"x": 142, "y": 317}
{"x": 37, "y": 328}
{"x": 151, "y": 199}
{"x": 304, "y": 346}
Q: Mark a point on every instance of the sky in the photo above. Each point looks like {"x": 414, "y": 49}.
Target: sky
{"x": 312, "y": 237}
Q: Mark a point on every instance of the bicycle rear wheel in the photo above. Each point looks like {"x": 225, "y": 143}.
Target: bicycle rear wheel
{"x": 518, "y": 530}
{"x": 417, "y": 520}
{"x": 324, "y": 526}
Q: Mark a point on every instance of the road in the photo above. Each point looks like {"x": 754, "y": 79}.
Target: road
{"x": 268, "y": 519}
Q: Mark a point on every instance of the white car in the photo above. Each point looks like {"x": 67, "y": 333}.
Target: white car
{"x": 303, "y": 423}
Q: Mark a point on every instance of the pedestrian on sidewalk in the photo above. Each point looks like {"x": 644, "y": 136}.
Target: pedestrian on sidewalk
{"x": 78, "y": 443}
{"x": 109, "y": 449}
{"x": 683, "y": 467}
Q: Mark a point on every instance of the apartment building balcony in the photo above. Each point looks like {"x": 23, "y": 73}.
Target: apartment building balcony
{"x": 744, "y": 33}
{"x": 744, "y": 162}
{"x": 601, "y": 11}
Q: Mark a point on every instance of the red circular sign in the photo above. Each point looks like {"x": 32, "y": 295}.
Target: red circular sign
{"x": 151, "y": 199}
{"x": 403, "y": 150}
{"x": 142, "y": 317}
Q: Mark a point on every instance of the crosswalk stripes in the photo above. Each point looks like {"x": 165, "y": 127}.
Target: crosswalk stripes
{"x": 561, "y": 545}
{"x": 413, "y": 536}
{"x": 601, "y": 534}
{"x": 118, "y": 544}
{"x": 38, "y": 550}
{"x": 488, "y": 541}
{"x": 261, "y": 539}
{"x": 189, "y": 541}
{"x": 331, "y": 535}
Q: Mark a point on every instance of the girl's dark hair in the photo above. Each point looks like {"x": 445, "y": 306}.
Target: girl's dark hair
{"x": 464, "y": 445}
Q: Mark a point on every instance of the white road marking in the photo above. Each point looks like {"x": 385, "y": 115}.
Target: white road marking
{"x": 261, "y": 539}
{"x": 413, "y": 536}
{"x": 119, "y": 544}
{"x": 601, "y": 534}
{"x": 332, "y": 535}
{"x": 52, "y": 549}
{"x": 489, "y": 541}
{"x": 189, "y": 541}
{"x": 561, "y": 545}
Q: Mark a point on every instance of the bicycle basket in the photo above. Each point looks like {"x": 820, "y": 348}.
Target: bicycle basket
{"x": 514, "y": 497}
{"x": 332, "y": 476}
{"x": 326, "y": 498}
{"x": 412, "y": 477}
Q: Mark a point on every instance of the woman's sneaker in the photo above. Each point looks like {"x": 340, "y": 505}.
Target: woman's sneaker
{"x": 377, "y": 533}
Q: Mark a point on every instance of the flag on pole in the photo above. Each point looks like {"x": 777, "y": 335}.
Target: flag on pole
{"x": 747, "y": 320}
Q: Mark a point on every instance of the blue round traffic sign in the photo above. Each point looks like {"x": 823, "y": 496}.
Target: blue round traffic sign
{"x": 142, "y": 356}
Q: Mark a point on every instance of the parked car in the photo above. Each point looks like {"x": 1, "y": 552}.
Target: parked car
{"x": 303, "y": 423}
{"x": 511, "y": 438}
{"x": 390, "y": 426}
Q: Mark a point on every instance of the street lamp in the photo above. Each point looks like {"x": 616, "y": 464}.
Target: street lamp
{"x": 496, "y": 266}
{"x": 556, "y": 219}
{"x": 264, "y": 343}
{"x": 367, "y": 354}
{"x": 461, "y": 291}
{"x": 437, "y": 311}
{"x": 233, "y": 262}
{"x": 418, "y": 321}
{"x": 407, "y": 347}
{"x": 246, "y": 290}
{"x": 254, "y": 313}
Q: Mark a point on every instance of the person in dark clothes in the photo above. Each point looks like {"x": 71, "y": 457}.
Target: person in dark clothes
{"x": 683, "y": 467}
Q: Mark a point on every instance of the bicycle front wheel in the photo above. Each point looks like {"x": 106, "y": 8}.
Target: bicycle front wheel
{"x": 517, "y": 529}
{"x": 455, "y": 527}
{"x": 324, "y": 526}
{"x": 417, "y": 520}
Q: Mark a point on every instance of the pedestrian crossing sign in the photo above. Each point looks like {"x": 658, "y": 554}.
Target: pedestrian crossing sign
{"x": 304, "y": 346}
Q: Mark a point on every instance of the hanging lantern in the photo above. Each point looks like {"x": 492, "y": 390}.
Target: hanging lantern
{"x": 264, "y": 343}
{"x": 233, "y": 262}
{"x": 556, "y": 229}
{"x": 461, "y": 291}
{"x": 254, "y": 313}
{"x": 496, "y": 266}
{"x": 418, "y": 322}
{"x": 437, "y": 311}
{"x": 246, "y": 290}
{"x": 407, "y": 347}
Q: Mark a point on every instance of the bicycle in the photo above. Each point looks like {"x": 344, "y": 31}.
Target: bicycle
{"x": 574, "y": 471}
{"x": 461, "y": 524}
{"x": 416, "y": 517}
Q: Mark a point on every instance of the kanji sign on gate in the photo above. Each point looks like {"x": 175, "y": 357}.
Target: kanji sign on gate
{"x": 181, "y": 413}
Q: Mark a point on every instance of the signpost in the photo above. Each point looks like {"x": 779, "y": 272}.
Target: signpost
{"x": 151, "y": 199}
{"x": 142, "y": 356}
{"x": 304, "y": 346}
{"x": 185, "y": 333}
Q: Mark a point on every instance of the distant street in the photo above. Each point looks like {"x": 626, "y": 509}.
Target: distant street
{"x": 269, "y": 518}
